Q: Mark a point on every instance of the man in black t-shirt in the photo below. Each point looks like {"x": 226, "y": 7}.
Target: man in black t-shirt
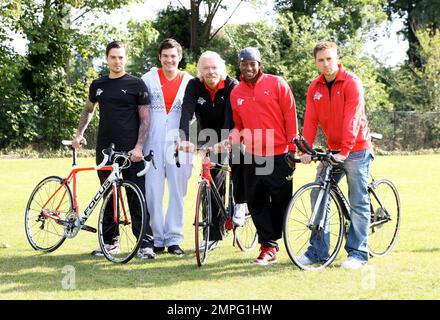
{"x": 124, "y": 120}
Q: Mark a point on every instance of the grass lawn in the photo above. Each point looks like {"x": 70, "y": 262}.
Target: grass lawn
{"x": 410, "y": 271}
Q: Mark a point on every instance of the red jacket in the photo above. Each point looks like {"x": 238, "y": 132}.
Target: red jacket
{"x": 341, "y": 116}
{"x": 264, "y": 115}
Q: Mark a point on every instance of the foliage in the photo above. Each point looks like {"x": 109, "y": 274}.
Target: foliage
{"x": 417, "y": 88}
{"x": 142, "y": 43}
{"x": 342, "y": 18}
{"x": 417, "y": 15}
{"x": 287, "y": 51}
{"x": 47, "y": 87}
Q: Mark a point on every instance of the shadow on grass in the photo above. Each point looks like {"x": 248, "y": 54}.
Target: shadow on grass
{"x": 45, "y": 272}
{"x": 426, "y": 250}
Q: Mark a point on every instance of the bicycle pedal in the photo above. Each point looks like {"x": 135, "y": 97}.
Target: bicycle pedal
{"x": 88, "y": 228}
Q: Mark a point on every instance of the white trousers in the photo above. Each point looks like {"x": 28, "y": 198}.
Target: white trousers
{"x": 167, "y": 229}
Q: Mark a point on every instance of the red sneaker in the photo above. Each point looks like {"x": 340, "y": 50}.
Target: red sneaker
{"x": 267, "y": 256}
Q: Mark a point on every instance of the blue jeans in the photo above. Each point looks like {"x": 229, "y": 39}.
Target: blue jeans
{"x": 357, "y": 169}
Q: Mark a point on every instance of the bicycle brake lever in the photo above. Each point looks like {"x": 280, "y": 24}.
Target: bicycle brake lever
{"x": 144, "y": 171}
{"x": 104, "y": 161}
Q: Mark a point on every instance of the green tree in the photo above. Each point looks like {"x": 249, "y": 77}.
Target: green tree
{"x": 343, "y": 19}
{"x": 417, "y": 15}
{"x": 52, "y": 29}
{"x": 202, "y": 13}
{"x": 287, "y": 50}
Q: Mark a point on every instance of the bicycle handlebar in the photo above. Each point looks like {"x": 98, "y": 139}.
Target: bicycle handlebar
{"x": 111, "y": 155}
{"x": 317, "y": 154}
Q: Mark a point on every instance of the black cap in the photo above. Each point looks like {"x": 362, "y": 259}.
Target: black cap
{"x": 250, "y": 53}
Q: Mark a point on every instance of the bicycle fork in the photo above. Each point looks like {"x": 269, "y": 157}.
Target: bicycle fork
{"x": 321, "y": 206}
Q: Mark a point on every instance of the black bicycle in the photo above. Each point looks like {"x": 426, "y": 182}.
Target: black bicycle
{"x": 209, "y": 190}
{"x": 318, "y": 213}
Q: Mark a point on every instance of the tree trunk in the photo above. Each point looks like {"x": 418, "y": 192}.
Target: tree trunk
{"x": 194, "y": 43}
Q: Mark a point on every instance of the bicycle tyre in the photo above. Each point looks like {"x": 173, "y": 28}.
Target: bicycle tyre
{"x": 382, "y": 238}
{"x": 127, "y": 230}
{"x": 297, "y": 234}
{"x": 246, "y": 236}
{"x": 202, "y": 222}
{"x": 44, "y": 233}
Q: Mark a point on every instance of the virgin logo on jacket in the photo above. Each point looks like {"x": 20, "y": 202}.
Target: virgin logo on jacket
{"x": 201, "y": 101}
{"x": 317, "y": 95}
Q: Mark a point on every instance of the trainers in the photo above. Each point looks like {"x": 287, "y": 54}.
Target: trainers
{"x": 239, "y": 217}
{"x": 159, "y": 249}
{"x": 212, "y": 244}
{"x": 176, "y": 249}
{"x": 146, "y": 253}
{"x": 267, "y": 256}
{"x": 352, "y": 263}
{"x": 110, "y": 248}
{"x": 304, "y": 260}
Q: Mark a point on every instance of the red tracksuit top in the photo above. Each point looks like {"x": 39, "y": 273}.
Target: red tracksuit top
{"x": 265, "y": 115}
{"x": 341, "y": 116}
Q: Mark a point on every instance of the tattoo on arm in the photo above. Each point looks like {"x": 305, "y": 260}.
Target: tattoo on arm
{"x": 86, "y": 116}
{"x": 144, "y": 125}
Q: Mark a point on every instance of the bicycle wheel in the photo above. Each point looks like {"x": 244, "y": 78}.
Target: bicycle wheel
{"x": 122, "y": 229}
{"x": 246, "y": 236}
{"x": 320, "y": 247}
{"x": 385, "y": 217}
{"x": 45, "y": 207}
{"x": 202, "y": 221}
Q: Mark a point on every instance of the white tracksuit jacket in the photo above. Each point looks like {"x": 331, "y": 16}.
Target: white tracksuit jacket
{"x": 164, "y": 130}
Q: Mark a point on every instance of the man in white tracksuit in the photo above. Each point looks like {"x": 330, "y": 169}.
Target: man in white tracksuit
{"x": 166, "y": 88}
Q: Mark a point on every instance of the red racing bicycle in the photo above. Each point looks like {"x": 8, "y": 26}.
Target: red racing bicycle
{"x": 52, "y": 213}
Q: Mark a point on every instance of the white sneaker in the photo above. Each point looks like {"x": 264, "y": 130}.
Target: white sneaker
{"x": 304, "y": 260}
{"x": 212, "y": 244}
{"x": 239, "y": 217}
{"x": 146, "y": 253}
{"x": 110, "y": 248}
{"x": 352, "y": 263}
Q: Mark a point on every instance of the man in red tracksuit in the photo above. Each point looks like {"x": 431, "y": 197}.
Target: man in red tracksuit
{"x": 264, "y": 116}
{"x": 335, "y": 101}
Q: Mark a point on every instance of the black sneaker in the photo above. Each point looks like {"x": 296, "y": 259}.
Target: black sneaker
{"x": 159, "y": 249}
{"x": 175, "y": 249}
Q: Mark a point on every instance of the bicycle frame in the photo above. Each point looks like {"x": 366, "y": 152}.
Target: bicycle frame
{"x": 110, "y": 182}
{"x": 206, "y": 176}
{"x": 317, "y": 220}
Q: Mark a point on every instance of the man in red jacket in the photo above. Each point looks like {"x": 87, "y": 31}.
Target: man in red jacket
{"x": 264, "y": 114}
{"x": 335, "y": 101}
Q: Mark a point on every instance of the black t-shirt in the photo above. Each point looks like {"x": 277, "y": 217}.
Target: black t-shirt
{"x": 329, "y": 86}
{"x": 118, "y": 101}
{"x": 216, "y": 115}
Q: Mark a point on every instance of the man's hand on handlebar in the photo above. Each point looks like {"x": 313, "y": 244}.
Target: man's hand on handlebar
{"x": 337, "y": 159}
{"x": 186, "y": 146}
{"x": 221, "y": 147}
{"x": 291, "y": 159}
{"x": 306, "y": 158}
{"x": 136, "y": 154}
{"x": 78, "y": 141}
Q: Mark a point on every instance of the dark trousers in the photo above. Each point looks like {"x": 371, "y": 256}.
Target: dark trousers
{"x": 267, "y": 193}
{"x": 111, "y": 231}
